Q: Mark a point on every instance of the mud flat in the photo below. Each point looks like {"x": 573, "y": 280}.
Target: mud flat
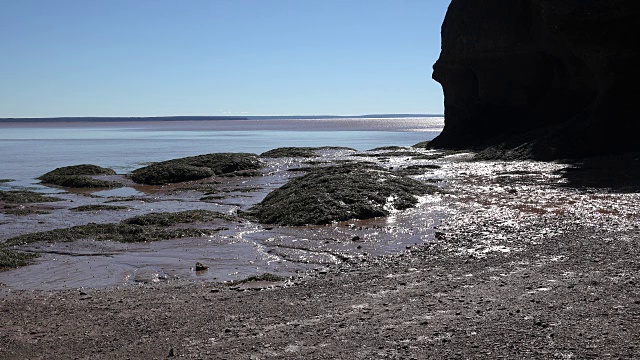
{"x": 511, "y": 259}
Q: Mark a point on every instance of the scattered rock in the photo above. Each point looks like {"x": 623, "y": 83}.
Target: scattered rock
{"x": 201, "y": 267}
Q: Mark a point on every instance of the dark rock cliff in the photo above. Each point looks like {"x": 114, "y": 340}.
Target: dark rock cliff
{"x": 548, "y": 78}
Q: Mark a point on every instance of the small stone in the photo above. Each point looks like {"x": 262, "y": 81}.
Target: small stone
{"x": 201, "y": 267}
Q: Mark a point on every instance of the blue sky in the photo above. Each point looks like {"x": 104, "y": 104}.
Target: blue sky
{"x": 216, "y": 57}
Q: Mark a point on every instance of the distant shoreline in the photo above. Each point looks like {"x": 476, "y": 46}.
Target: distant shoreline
{"x": 201, "y": 118}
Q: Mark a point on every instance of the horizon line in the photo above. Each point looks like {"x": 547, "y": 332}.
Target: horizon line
{"x": 216, "y": 117}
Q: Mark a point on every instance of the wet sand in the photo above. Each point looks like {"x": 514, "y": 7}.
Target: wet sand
{"x": 244, "y": 249}
{"x": 511, "y": 260}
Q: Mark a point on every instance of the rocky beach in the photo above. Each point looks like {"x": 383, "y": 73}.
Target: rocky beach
{"x": 515, "y": 259}
{"x": 515, "y": 233}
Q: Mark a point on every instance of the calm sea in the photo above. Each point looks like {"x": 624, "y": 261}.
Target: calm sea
{"x": 29, "y": 150}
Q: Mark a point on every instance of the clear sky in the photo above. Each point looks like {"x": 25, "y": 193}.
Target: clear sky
{"x": 217, "y": 57}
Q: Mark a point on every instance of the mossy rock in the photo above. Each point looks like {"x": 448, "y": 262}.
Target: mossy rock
{"x": 388, "y": 148}
{"x": 172, "y": 218}
{"x": 337, "y": 193}
{"x": 142, "y": 228}
{"x": 24, "y": 211}
{"x": 196, "y": 168}
{"x": 98, "y": 207}
{"x": 25, "y": 197}
{"x": 80, "y": 182}
{"x": 10, "y": 259}
{"x": 301, "y": 151}
{"x": 79, "y": 176}
{"x": 84, "y": 169}
{"x": 160, "y": 174}
{"x": 110, "y": 232}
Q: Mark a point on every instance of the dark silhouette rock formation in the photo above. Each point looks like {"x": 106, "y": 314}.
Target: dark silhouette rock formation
{"x": 547, "y": 78}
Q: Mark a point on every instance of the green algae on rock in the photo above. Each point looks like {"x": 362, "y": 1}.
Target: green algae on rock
{"x": 182, "y": 217}
{"x": 79, "y": 176}
{"x": 84, "y": 169}
{"x": 196, "y": 168}
{"x": 337, "y": 193}
{"x": 80, "y": 182}
{"x": 25, "y": 197}
{"x": 98, "y": 207}
{"x": 388, "y": 148}
{"x": 23, "y": 211}
{"x": 142, "y": 228}
{"x": 303, "y": 152}
{"x": 120, "y": 232}
{"x": 10, "y": 259}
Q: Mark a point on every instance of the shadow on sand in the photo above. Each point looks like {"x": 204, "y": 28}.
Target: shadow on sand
{"x": 615, "y": 173}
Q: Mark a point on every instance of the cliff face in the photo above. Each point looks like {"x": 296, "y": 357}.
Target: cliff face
{"x": 559, "y": 77}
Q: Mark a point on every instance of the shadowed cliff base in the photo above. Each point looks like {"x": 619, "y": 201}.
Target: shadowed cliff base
{"x": 549, "y": 80}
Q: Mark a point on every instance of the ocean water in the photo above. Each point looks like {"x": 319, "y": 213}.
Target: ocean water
{"x": 29, "y": 150}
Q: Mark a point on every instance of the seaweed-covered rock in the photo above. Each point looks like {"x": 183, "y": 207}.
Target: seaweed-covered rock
{"x": 148, "y": 227}
{"x": 388, "y": 148}
{"x": 303, "y": 152}
{"x": 80, "y": 182}
{"x": 337, "y": 193}
{"x": 84, "y": 169}
{"x": 25, "y": 197}
{"x": 159, "y": 174}
{"x": 196, "y": 168}
{"x": 181, "y": 217}
{"x": 120, "y": 232}
{"x": 98, "y": 207}
{"x": 79, "y": 176}
{"x": 12, "y": 259}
